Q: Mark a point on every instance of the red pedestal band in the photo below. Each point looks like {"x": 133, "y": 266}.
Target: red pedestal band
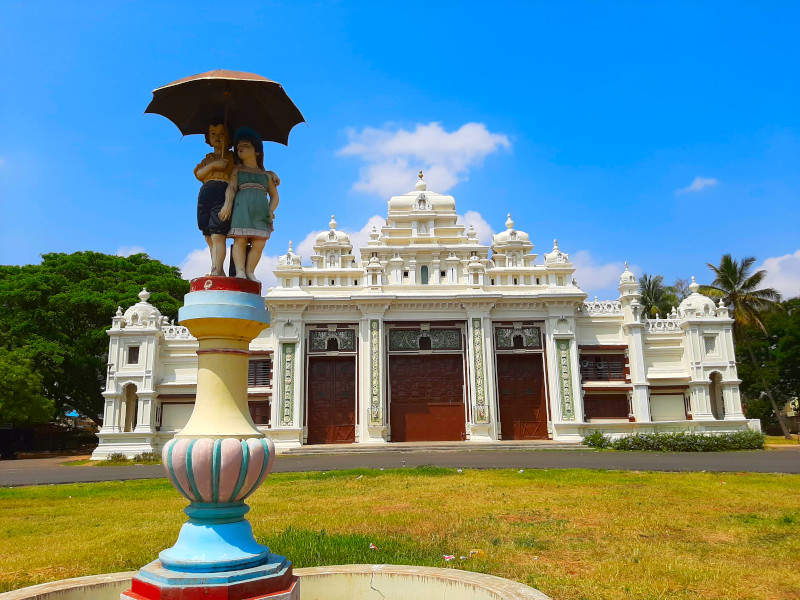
{"x": 229, "y": 284}
{"x": 246, "y": 590}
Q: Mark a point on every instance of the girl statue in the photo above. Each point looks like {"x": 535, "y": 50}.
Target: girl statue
{"x": 214, "y": 171}
{"x": 251, "y": 197}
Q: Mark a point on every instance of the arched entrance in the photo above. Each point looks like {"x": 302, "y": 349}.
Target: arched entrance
{"x": 130, "y": 413}
{"x": 715, "y": 393}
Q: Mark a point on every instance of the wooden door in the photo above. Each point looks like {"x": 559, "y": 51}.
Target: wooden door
{"x": 331, "y": 400}
{"x": 427, "y": 398}
{"x": 520, "y": 382}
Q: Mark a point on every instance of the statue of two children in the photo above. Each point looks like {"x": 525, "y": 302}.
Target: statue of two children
{"x": 237, "y": 200}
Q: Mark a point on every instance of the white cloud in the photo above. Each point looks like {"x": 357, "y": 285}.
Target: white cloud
{"x": 394, "y": 155}
{"x": 698, "y": 184}
{"x": 196, "y": 264}
{"x": 482, "y": 228}
{"x": 783, "y": 274}
{"x": 598, "y": 278}
{"x": 129, "y": 250}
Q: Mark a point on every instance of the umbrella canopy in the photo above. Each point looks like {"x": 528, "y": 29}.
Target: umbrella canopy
{"x": 236, "y": 97}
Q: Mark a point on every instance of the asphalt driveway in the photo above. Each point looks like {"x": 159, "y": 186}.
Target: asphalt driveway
{"x": 784, "y": 460}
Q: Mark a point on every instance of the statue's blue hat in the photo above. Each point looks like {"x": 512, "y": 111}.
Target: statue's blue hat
{"x": 249, "y": 134}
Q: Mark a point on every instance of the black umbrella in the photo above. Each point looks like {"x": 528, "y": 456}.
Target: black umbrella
{"x": 236, "y": 97}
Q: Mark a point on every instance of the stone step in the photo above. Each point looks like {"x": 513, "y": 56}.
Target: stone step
{"x": 405, "y": 447}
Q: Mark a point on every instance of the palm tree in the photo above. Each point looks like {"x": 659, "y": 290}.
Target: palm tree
{"x": 656, "y": 297}
{"x": 735, "y": 283}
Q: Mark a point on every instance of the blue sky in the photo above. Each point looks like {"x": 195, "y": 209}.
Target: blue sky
{"x": 665, "y": 134}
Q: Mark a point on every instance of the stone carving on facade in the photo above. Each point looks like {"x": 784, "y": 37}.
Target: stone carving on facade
{"x": 565, "y": 379}
{"x": 408, "y": 339}
{"x": 176, "y": 332}
{"x": 375, "y": 372}
{"x": 287, "y": 356}
{"x": 480, "y": 391}
{"x": 531, "y": 337}
{"x": 346, "y": 338}
{"x": 602, "y": 308}
{"x": 659, "y": 325}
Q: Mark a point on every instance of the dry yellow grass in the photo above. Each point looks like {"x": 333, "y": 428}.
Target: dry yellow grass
{"x": 573, "y": 534}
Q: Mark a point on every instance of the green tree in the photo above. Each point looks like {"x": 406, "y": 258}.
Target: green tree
{"x": 778, "y": 362}
{"x": 739, "y": 287}
{"x": 57, "y": 313}
{"x": 656, "y": 297}
{"x": 22, "y": 398}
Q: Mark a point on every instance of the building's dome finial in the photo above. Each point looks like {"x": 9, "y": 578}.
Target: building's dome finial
{"x": 333, "y": 222}
{"x": 421, "y": 185}
{"x": 290, "y": 247}
{"x": 555, "y": 244}
{"x": 144, "y": 295}
{"x": 694, "y": 286}
{"x": 509, "y": 222}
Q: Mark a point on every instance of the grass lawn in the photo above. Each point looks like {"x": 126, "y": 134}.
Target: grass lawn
{"x": 574, "y": 534}
{"x": 779, "y": 440}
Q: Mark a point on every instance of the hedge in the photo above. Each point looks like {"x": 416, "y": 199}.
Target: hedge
{"x": 679, "y": 442}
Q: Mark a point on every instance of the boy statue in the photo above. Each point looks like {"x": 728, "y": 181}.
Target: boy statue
{"x": 214, "y": 171}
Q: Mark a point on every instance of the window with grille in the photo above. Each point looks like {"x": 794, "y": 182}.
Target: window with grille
{"x": 133, "y": 355}
{"x": 259, "y": 412}
{"x": 603, "y": 367}
{"x": 259, "y": 372}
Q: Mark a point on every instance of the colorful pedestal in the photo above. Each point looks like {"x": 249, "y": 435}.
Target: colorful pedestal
{"x": 217, "y": 461}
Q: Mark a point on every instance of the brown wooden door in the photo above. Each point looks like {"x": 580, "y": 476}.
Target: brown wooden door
{"x": 520, "y": 382}
{"x": 331, "y": 400}
{"x": 427, "y": 398}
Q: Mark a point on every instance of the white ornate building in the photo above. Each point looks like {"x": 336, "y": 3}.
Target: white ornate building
{"x": 433, "y": 336}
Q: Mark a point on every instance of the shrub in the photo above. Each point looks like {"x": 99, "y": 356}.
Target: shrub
{"x": 117, "y": 457}
{"x": 690, "y": 442}
{"x": 597, "y": 439}
{"x": 149, "y": 457}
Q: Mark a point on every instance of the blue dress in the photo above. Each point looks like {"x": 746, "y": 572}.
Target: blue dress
{"x": 251, "y": 215}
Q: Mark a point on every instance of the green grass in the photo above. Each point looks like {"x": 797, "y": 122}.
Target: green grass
{"x": 574, "y": 534}
{"x": 779, "y": 440}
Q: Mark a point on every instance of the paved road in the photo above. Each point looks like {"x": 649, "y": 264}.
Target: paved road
{"x": 51, "y": 471}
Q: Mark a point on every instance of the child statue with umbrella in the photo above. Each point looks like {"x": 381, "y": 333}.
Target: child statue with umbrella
{"x": 252, "y": 197}
{"x": 259, "y": 110}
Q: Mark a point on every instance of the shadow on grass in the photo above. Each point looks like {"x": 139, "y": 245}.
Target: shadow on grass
{"x": 309, "y": 548}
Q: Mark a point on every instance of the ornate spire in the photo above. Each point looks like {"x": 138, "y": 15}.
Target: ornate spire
{"x": 694, "y": 286}
{"x": 509, "y": 222}
{"x": 421, "y": 185}
{"x": 555, "y": 245}
{"x": 333, "y": 223}
{"x": 144, "y": 295}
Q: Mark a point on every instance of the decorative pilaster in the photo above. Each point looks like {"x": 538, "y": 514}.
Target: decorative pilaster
{"x": 375, "y": 405}
{"x": 565, "y": 380}
{"x": 481, "y": 409}
{"x": 287, "y": 391}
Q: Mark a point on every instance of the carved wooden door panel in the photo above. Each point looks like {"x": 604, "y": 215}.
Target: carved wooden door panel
{"x": 520, "y": 381}
{"x": 427, "y": 398}
{"x": 331, "y": 400}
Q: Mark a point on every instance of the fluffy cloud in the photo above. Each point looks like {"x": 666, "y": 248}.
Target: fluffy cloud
{"x": 698, "y": 184}
{"x": 482, "y": 228}
{"x": 598, "y": 278}
{"x": 393, "y": 155}
{"x": 129, "y": 250}
{"x": 783, "y": 274}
